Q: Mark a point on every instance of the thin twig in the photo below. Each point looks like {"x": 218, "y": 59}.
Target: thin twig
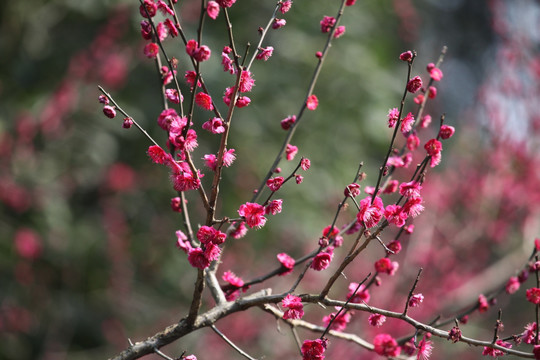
{"x": 231, "y": 344}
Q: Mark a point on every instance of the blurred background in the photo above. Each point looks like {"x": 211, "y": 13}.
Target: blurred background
{"x": 87, "y": 237}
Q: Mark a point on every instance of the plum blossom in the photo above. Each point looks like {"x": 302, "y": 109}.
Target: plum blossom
{"x": 291, "y": 151}
{"x": 361, "y": 295}
{"x": 274, "y": 207}
{"x": 393, "y": 117}
{"x": 370, "y": 214}
{"x": 265, "y": 53}
{"x": 414, "y": 84}
{"x": 340, "y": 322}
{"x": 212, "y": 9}
{"x": 376, "y": 320}
{"x": 416, "y": 300}
{"x": 295, "y": 308}
{"x": 287, "y": 262}
{"x": 312, "y": 102}
{"x": 253, "y": 213}
{"x": 386, "y": 345}
{"x": 314, "y": 349}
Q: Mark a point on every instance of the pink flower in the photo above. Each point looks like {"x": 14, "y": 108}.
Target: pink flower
{"x": 376, "y": 320}
{"x": 419, "y": 99}
{"x": 352, "y": 190}
{"x": 327, "y": 23}
{"x": 395, "y": 215}
{"x": 370, "y": 214}
{"x": 202, "y": 53}
{"x": 173, "y": 30}
{"x": 253, "y": 213}
{"x": 340, "y": 322}
{"x": 169, "y": 117}
{"x": 176, "y": 204}
{"x": 393, "y": 116}
{"x": 536, "y": 352}
{"x": 340, "y": 30}
{"x": 386, "y": 345}
{"x": 291, "y": 152}
{"x": 265, "y": 53}
{"x": 190, "y": 77}
{"x": 533, "y": 295}
{"x": 182, "y": 242}
{"x": 414, "y": 84}
{"x": 164, "y": 8}
{"x": 496, "y": 352}
{"x": 285, "y": 6}
{"x": 384, "y": 265}
{"x": 204, "y": 100}
{"x": 425, "y": 121}
{"x": 214, "y": 125}
{"x": 243, "y": 101}
{"x": 512, "y": 285}
{"x": 410, "y": 189}
{"x": 240, "y": 231}
{"x": 395, "y": 246}
{"x": 191, "y": 47}
{"x": 210, "y": 161}
{"x": 416, "y": 300}
{"x": 212, "y": 9}
{"x": 446, "y": 131}
{"x": 425, "y": 348}
{"x": 435, "y": 73}
{"x": 433, "y": 147}
{"x": 483, "y": 304}
{"x": 162, "y": 31}
{"x": 274, "y": 207}
{"x": 148, "y": 8}
{"x": 197, "y": 258}
{"x": 232, "y": 279}
{"x": 246, "y": 81}
{"x": 275, "y": 183}
{"x": 226, "y": 3}
{"x": 391, "y": 187}
{"x": 413, "y": 207}
{"x": 288, "y": 122}
{"x": 529, "y": 335}
{"x": 432, "y": 94}
{"x": 406, "y": 56}
{"x": 312, "y": 102}
{"x": 305, "y": 164}
{"x": 158, "y": 155}
{"x": 183, "y": 180}
{"x": 228, "y": 157}
{"x": 287, "y": 262}
{"x": 278, "y": 23}
{"x": 361, "y": 295}
{"x": 109, "y": 111}
{"x": 128, "y": 123}
{"x": 350, "y": 2}
{"x": 412, "y": 142}
{"x": 174, "y": 96}
{"x": 406, "y": 123}
{"x": 146, "y": 30}
{"x": 298, "y": 178}
{"x": 314, "y": 349}
{"x": 322, "y": 260}
{"x": 295, "y": 307}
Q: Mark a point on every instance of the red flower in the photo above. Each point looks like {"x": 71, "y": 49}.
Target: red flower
{"x": 386, "y": 345}
{"x": 533, "y": 295}
{"x": 314, "y": 349}
{"x": 253, "y": 213}
{"x": 414, "y": 84}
